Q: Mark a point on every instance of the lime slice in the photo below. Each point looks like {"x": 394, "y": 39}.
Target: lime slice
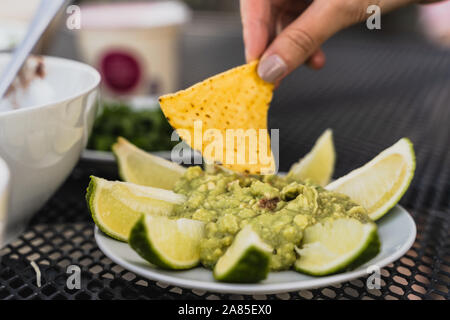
{"x": 116, "y": 206}
{"x": 379, "y": 184}
{"x": 246, "y": 260}
{"x": 140, "y": 167}
{"x": 336, "y": 245}
{"x": 168, "y": 243}
{"x": 318, "y": 165}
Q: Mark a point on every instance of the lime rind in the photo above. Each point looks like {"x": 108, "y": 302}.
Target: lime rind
{"x": 142, "y": 241}
{"x": 406, "y": 185}
{"x": 318, "y": 164}
{"x": 369, "y": 247}
{"x": 369, "y": 252}
{"x": 168, "y": 198}
{"x": 170, "y": 171}
{"x": 90, "y": 198}
{"x": 403, "y": 147}
{"x": 252, "y": 267}
{"x": 402, "y": 191}
{"x": 247, "y": 260}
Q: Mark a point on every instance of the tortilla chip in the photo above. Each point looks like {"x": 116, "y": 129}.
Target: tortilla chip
{"x": 235, "y": 99}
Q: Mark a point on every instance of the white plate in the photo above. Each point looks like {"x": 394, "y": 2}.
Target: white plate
{"x": 397, "y": 232}
{"x": 106, "y": 156}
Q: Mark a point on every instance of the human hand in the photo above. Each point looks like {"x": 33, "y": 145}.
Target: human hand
{"x": 285, "y": 34}
{"x": 435, "y": 20}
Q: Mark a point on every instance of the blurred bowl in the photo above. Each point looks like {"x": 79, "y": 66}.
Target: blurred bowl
{"x": 15, "y": 17}
{"x": 11, "y": 33}
{"x": 42, "y": 141}
{"x": 4, "y": 188}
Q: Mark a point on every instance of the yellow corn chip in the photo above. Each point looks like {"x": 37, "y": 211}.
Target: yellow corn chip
{"x": 225, "y": 117}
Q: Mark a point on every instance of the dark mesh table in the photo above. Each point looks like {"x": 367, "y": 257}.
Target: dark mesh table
{"x": 371, "y": 94}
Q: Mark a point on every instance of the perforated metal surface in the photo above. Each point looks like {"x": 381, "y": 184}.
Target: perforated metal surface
{"x": 371, "y": 94}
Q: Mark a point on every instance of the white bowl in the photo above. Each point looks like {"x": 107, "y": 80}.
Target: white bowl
{"x": 41, "y": 143}
{"x": 4, "y": 188}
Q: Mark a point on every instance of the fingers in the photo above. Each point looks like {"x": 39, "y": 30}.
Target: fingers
{"x": 317, "y": 60}
{"x": 297, "y": 42}
{"x": 388, "y": 5}
{"x": 256, "y": 22}
{"x": 287, "y": 12}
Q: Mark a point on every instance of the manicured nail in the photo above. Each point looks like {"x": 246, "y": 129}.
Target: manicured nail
{"x": 271, "y": 68}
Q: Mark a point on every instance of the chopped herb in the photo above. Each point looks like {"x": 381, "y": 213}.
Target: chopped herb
{"x": 148, "y": 129}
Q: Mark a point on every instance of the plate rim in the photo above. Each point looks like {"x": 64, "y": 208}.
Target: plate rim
{"x": 108, "y": 156}
{"x": 259, "y": 288}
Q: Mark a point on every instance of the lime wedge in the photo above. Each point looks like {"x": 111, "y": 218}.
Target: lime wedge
{"x": 246, "y": 260}
{"x": 140, "y": 167}
{"x": 167, "y": 243}
{"x": 116, "y": 206}
{"x": 379, "y": 184}
{"x": 336, "y": 245}
{"x": 318, "y": 165}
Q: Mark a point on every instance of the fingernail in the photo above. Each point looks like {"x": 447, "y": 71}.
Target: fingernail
{"x": 271, "y": 68}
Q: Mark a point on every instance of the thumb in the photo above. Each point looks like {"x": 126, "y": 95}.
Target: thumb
{"x": 297, "y": 42}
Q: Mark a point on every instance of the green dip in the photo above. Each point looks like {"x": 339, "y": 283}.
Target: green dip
{"x": 278, "y": 208}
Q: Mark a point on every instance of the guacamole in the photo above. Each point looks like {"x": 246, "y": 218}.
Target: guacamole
{"x": 278, "y": 208}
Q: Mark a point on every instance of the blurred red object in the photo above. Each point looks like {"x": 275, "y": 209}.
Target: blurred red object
{"x": 435, "y": 19}
{"x": 120, "y": 70}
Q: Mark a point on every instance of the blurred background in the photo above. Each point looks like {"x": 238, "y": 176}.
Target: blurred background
{"x": 376, "y": 87}
{"x": 147, "y": 48}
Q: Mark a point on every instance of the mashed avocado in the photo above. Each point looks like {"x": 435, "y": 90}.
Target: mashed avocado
{"x": 278, "y": 208}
